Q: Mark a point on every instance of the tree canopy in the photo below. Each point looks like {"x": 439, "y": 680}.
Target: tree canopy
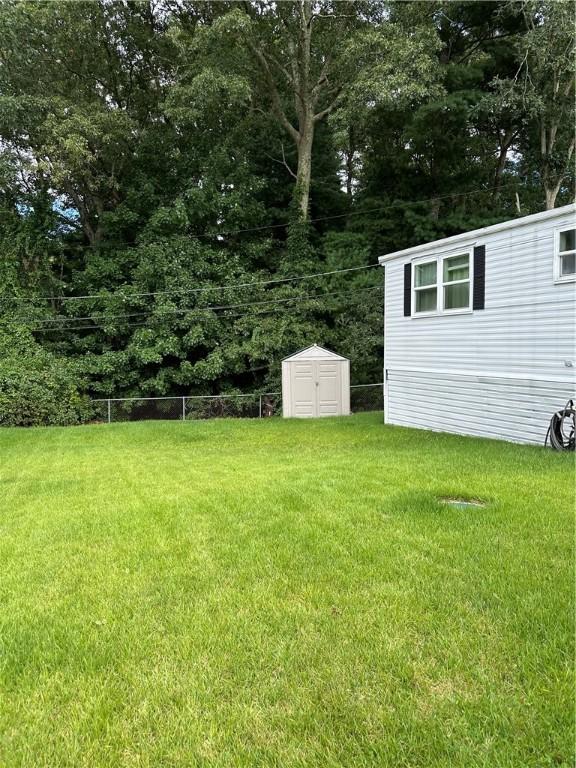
{"x": 172, "y": 173}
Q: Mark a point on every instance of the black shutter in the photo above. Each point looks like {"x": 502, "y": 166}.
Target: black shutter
{"x": 479, "y": 277}
{"x": 407, "y": 289}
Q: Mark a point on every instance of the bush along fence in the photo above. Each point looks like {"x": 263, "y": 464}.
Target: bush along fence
{"x": 363, "y": 397}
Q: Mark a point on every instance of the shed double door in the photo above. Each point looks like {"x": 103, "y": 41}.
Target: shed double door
{"x": 317, "y": 388}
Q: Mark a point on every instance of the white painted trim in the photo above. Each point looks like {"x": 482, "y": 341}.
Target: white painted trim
{"x": 415, "y": 289}
{"x": 300, "y": 355}
{"x": 384, "y": 379}
{"x": 286, "y": 391}
{"x": 465, "y": 237}
{"x": 345, "y": 389}
{"x": 470, "y": 280}
{"x": 440, "y": 284}
{"x": 385, "y": 395}
{"x": 558, "y": 277}
{"x": 565, "y": 279}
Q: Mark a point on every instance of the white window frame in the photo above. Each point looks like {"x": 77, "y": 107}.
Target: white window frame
{"x": 440, "y": 283}
{"x": 420, "y": 263}
{"x": 558, "y": 276}
{"x": 469, "y": 280}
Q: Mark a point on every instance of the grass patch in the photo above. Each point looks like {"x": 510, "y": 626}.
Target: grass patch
{"x": 283, "y": 593}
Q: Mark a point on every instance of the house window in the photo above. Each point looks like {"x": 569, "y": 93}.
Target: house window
{"x": 566, "y": 255}
{"x": 456, "y": 282}
{"x": 442, "y": 285}
{"x": 425, "y": 287}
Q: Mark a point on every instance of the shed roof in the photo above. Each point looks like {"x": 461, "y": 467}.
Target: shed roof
{"x": 479, "y": 233}
{"x": 314, "y": 352}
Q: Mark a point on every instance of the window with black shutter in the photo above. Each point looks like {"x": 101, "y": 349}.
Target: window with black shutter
{"x": 478, "y": 293}
{"x": 407, "y": 289}
{"x": 445, "y": 285}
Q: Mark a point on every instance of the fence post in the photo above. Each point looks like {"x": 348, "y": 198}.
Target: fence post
{"x": 183, "y": 408}
{"x": 109, "y": 412}
{"x": 260, "y": 407}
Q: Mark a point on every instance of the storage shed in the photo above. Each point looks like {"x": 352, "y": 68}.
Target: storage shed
{"x": 315, "y": 382}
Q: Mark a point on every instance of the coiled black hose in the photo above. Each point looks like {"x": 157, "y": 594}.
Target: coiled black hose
{"x": 562, "y": 429}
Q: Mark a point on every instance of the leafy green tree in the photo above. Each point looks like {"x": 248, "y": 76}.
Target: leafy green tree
{"x": 453, "y": 141}
{"x": 305, "y": 60}
{"x": 80, "y": 84}
{"x": 541, "y": 93}
{"x": 36, "y": 387}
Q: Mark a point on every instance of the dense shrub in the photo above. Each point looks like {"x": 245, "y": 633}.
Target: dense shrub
{"x": 37, "y": 388}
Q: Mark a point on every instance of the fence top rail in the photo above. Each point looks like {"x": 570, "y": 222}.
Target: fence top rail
{"x": 206, "y": 397}
{"x": 125, "y": 399}
{"x": 179, "y": 397}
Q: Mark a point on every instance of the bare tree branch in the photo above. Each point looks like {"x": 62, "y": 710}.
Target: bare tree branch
{"x": 281, "y": 68}
{"x": 330, "y": 108}
{"x": 282, "y": 162}
{"x": 322, "y": 78}
{"x": 275, "y": 96}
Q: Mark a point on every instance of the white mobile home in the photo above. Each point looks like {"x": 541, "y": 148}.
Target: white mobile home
{"x": 479, "y": 334}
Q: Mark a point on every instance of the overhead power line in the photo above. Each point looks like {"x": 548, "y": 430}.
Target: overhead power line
{"x": 296, "y": 299}
{"x": 380, "y": 208}
{"x": 348, "y": 214}
{"x": 184, "y": 310}
{"x": 202, "y": 289}
{"x": 383, "y": 207}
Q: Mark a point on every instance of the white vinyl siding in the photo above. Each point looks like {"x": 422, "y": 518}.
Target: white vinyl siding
{"x": 498, "y": 372}
{"x": 469, "y": 404}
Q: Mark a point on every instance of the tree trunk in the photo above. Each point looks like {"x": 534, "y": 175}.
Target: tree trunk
{"x": 552, "y": 181}
{"x": 505, "y": 141}
{"x": 551, "y": 193}
{"x": 306, "y": 93}
{"x": 304, "y": 103}
{"x": 350, "y": 150}
{"x": 90, "y": 211}
{"x": 304, "y": 171}
{"x": 500, "y": 165}
{"x": 435, "y": 208}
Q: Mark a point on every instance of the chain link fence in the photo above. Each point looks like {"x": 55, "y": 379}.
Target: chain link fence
{"x": 363, "y": 397}
{"x": 366, "y": 397}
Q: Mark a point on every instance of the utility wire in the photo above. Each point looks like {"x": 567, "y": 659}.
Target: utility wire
{"x": 184, "y": 310}
{"x": 234, "y": 316}
{"x": 228, "y": 286}
{"x": 383, "y": 207}
{"x": 212, "y": 309}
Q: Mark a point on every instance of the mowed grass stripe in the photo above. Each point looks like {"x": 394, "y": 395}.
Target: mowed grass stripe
{"x": 283, "y": 593}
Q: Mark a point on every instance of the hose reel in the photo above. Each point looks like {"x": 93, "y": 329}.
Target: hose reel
{"x": 562, "y": 429}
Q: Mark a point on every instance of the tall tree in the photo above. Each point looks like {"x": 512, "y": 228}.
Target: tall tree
{"x": 541, "y": 92}
{"x": 79, "y": 84}
{"x": 306, "y": 59}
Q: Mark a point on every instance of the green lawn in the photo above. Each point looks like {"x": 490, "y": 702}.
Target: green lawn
{"x": 283, "y": 593}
